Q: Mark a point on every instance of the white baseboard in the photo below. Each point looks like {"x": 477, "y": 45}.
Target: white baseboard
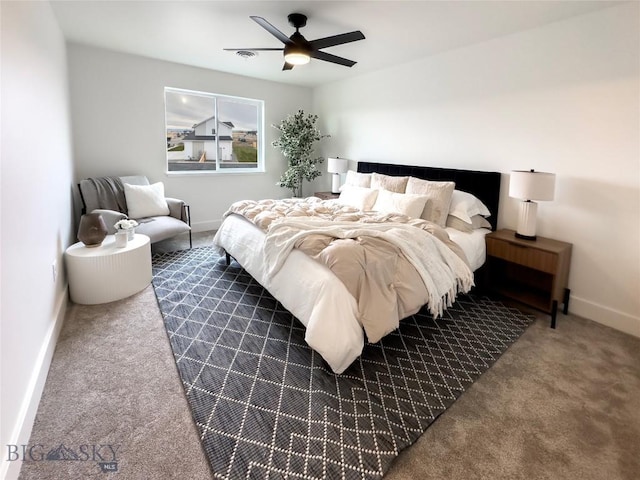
{"x": 206, "y": 226}
{"x": 607, "y": 316}
{"x": 10, "y": 470}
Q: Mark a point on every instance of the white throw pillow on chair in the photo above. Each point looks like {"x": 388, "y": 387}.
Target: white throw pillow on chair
{"x": 145, "y": 200}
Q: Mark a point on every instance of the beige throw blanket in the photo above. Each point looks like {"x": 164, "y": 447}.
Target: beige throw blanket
{"x": 391, "y": 264}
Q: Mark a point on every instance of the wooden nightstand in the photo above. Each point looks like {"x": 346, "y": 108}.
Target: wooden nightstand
{"x": 326, "y": 195}
{"x": 532, "y": 272}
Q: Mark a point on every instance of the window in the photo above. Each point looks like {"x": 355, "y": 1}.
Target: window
{"x": 213, "y": 133}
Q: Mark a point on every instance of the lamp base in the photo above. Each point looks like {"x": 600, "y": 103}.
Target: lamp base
{"x": 526, "y": 237}
{"x": 527, "y": 220}
{"x": 335, "y": 183}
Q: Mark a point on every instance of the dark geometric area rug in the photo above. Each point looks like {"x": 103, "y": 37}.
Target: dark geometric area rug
{"x": 267, "y": 406}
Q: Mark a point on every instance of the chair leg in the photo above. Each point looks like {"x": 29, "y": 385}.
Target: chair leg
{"x": 187, "y": 211}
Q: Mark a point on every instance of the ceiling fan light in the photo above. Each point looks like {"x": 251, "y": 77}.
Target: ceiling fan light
{"x": 296, "y": 58}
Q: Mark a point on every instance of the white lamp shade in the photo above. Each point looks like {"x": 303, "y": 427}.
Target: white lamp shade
{"x": 531, "y": 185}
{"x": 337, "y": 165}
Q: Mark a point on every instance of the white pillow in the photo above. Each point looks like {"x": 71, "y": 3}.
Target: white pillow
{"x": 357, "y": 179}
{"x": 404, "y": 203}
{"x": 358, "y": 197}
{"x": 439, "y": 198}
{"x": 477, "y": 221}
{"x": 145, "y": 200}
{"x": 464, "y": 206}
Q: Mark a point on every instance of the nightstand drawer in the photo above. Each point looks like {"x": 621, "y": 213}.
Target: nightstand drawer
{"x": 523, "y": 255}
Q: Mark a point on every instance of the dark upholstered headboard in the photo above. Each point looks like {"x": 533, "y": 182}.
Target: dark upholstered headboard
{"x": 484, "y": 185}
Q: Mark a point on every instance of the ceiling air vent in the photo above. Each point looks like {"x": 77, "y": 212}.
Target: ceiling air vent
{"x": 246, "y": 54}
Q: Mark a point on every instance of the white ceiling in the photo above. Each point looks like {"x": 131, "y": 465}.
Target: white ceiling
{"x": 195, "y": 33}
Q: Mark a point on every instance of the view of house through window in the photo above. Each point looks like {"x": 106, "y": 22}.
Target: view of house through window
{"x": 209, "y": 132}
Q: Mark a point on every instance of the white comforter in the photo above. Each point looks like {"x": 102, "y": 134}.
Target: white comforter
{"x": 443, "y": 272}
{"x": 315, "y": 296}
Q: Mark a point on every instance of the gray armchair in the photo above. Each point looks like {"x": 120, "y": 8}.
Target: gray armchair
{"x": 105, "y": 195}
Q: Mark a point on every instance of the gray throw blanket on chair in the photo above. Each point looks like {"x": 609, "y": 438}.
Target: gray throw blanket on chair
{"x": 110, "y": 193}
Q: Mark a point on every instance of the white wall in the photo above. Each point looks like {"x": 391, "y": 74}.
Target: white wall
{"x": 117, "y": 103}
{"x": 562, "y": 98}
{"x": 36, "y": 206}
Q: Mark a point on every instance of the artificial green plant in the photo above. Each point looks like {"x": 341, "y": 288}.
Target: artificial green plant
{"x": 298, "y": 135}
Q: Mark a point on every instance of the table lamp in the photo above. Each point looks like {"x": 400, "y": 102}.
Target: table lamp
{"x": 529, "y": 185}
{"x": 337, "y": 166}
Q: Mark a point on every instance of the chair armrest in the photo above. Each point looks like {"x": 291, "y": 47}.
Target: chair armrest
{"x": 110, "y": 217}
{"x": 178, "y": 209}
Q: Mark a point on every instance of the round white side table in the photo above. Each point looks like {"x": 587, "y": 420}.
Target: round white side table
{"x": 108, "y": 273}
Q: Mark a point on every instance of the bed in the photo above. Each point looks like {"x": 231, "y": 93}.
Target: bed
{"x": 313, "y": 293}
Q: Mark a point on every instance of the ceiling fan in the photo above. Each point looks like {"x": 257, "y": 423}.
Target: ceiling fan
{"x": 297, "y": 49}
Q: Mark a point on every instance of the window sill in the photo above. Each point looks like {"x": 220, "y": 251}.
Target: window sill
{"x": 213, "y": 173}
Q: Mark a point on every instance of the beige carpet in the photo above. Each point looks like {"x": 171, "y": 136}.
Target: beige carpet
{"x": 559, "y": 404}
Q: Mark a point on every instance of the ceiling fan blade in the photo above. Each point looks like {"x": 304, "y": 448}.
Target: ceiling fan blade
{"x": 253, "y": 49}
{"x": 327, "y": 57}
{"x": 337, "y": 40}
{"x": 271, "y": 29}
{"x": 287, "y": 66}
